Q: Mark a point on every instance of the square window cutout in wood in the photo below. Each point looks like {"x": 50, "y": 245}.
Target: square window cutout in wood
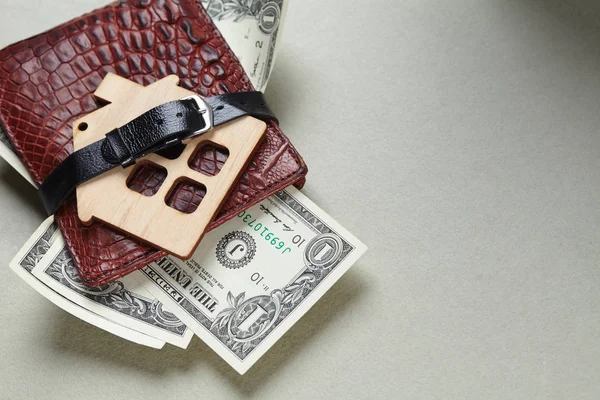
{"x": 146, "y": 178}
{"x": 208, "y": 158}
{"x": 186, "y": 195}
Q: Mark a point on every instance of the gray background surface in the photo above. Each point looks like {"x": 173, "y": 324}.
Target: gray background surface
{"x": 460, "y": 141}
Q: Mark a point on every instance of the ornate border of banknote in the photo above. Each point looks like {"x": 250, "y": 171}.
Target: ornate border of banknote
{"x": 34, "y": 253}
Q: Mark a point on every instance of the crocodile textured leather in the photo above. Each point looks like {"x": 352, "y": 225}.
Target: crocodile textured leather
{"x": 47, "y": 82}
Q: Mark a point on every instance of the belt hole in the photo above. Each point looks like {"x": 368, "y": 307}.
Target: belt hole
{"x": 219, "y": 108}
{"x": 179, "y": 115}
{"x": 82, "y": 126}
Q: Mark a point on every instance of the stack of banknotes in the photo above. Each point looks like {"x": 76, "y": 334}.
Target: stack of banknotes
{"x": 250, "y": 279}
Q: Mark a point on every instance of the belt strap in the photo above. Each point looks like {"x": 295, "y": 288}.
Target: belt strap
{"x": 157, "y": 129}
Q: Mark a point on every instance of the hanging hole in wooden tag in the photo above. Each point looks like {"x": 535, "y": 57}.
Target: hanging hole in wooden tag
{"x": 166, "y": 199}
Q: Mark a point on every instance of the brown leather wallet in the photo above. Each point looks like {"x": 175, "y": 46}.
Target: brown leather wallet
{"x": 47, "y": 82}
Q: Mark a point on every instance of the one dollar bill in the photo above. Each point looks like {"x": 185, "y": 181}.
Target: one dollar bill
{"x": 253, "y": 277}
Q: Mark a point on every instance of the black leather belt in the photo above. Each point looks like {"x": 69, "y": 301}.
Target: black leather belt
{"x": 162, "y": 127}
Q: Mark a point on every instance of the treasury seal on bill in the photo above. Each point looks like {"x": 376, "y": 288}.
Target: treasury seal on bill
{"x": 236, "y": 249}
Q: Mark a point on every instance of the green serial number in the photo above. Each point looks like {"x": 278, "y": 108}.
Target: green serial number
{"x": 269, "y": 236}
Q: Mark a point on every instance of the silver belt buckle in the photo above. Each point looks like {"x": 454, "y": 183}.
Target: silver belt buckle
{"x": 207, "y": 115}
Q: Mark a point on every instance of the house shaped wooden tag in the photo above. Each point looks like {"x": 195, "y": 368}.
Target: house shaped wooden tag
{"x": 145, "y": 200}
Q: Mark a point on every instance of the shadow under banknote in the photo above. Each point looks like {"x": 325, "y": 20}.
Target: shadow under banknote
{"x": 338, "y": 301}
{"x": 72, "y": 339}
